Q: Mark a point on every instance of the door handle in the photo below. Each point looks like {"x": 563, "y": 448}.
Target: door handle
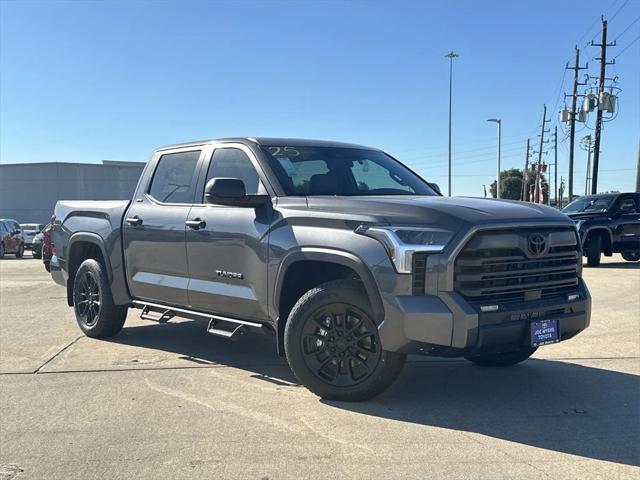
{"x": 196, "y": 223}
{"x": 135, "y": 221}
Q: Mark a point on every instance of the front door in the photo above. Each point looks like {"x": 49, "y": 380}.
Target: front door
{"x": 228, "y": 249}
{"x": 154, "y": 230}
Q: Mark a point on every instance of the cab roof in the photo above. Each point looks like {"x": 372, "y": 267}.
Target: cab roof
{"x": 294, "y": 142}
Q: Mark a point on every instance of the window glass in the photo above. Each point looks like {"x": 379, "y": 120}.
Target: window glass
{"x": 2, "y": 227}
{"x": 342, "y": 171}
{"x": 234, "y": 163}
{"x": 598, "y": 203}
{"x": 628, "y": 205}
{"x": 173, "y": 180}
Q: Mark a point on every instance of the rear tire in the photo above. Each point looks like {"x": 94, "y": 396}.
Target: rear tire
{"x": 1, "y": 250}
{"x": 333, "y": 347}
{"x": 631, "y": 256}
{"x": 594, "y": 250}
{"x": 503, "y": 359}
{"x": 96, "y": 314}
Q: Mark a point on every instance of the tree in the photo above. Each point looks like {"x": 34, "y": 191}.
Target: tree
{"x": 511, "y": 184}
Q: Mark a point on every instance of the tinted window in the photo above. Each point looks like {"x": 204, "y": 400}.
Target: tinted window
{"x": 342, "y": 171}
{"x": 3, "y": 228}
{"x": 590, "y": 204}
{"x": 628, "y": 205}
{"x": 173, "y": 180}
{"x": 234, "y": 163}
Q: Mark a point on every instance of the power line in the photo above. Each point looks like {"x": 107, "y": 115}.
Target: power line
{"x": 627, "y": 47}
{"x": 619, "y": 10}
{"x": 625, "y": 30}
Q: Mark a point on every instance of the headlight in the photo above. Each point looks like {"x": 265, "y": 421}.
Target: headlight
{"x": 402, "y": 242}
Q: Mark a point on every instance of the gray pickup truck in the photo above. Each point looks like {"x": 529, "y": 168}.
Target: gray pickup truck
{"x": 348, "y": 258}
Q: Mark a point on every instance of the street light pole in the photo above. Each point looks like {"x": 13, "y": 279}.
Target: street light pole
{"x": 499, "y": 123}
{"x": 451, "y": 55}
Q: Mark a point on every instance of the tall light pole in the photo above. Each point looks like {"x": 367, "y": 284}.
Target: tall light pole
{"x": 451, "y": 55}
{"x": 499, "y": 123}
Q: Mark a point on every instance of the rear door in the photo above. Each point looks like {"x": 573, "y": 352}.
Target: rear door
{"x": 154, "y": 229}
{"x": 228, "y": 253}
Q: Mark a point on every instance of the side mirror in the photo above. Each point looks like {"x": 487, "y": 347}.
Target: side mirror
{"x": 231, "y": 192}
{"x": 436, "y": 187}
{"x": 17, "y": 231}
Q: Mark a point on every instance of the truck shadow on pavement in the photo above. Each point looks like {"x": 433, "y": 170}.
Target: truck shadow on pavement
{"x": 616, "y": 265}
{"x": 550, "y": 404}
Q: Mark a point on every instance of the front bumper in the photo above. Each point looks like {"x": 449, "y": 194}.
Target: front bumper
{"x": 448, "y": 325}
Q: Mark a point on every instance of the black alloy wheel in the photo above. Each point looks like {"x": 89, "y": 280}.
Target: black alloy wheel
{"x": 88, "y": 299}
{"x": 340, "y": 345}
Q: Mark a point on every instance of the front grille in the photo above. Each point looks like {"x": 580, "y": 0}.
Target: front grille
{"x": 495, "y": 266}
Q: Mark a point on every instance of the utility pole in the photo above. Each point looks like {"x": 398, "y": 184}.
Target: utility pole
{"x": 555, "y": 164}
{"x": 561, "y": 190}
{"x": 525, "y": 174}
{"x": 572, "y": 119}
{"x": 450, "y": 56}
{"x": 498, "y": 122}
{"x": 638, "y": 170}
{"x": 538, "y": 184}
{"x": 603, "y": 67}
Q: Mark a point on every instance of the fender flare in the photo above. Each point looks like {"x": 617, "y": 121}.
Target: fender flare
{"x": 94, "y": 239}
{"x": 339, "y": 257}
{"x": 598, "y": 228}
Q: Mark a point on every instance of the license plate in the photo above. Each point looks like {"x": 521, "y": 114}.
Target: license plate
{"x": 544, "y": 332}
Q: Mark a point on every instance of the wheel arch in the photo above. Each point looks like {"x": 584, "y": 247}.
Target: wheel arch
{"x": 340, "y": 264}
{"x": 607, "y": 238}
{"x": 84, "y": 245}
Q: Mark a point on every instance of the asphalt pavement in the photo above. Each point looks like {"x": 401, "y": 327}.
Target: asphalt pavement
{"x": 166, "y": 401}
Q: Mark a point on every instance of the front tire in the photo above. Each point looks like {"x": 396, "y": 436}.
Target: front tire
{"x": 96, "y": 314}
{"x": 20, "y": 251}
{"x": 594, "y": 249}
{"x": 506, "y": 359}
{"x": 631, "y": 256}
{"x": 2, "y": 250}
{"x": 333, "y": 347}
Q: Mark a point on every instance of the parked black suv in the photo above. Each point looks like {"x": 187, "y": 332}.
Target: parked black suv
{"x": 608, "y": 223}
{"x": 346, "y": 256}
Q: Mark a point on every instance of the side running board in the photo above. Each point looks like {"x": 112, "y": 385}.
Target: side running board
{"x": 231, "y": 328}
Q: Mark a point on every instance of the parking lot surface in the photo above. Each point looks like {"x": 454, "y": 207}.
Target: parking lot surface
{"x": 168, "y": 401}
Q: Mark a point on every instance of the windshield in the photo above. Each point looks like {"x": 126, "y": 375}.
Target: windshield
{"x": 589, "y": 204}
{"x": 342, "y": 171}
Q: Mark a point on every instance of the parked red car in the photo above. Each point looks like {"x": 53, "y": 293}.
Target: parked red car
{"x": 11, "y": 240}
{"x": 47, "y": 244}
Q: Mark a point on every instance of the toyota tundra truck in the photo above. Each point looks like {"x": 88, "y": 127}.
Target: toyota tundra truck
{"x": 345, "y": 256}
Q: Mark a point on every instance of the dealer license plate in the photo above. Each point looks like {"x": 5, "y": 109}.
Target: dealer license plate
{"x": 544, "y": 332}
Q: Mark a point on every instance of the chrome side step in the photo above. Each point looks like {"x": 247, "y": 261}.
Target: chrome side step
{"x": 231, "y": 328}
{"x": 155, "y": 315}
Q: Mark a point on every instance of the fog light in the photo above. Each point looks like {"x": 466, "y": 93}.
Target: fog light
{"x": 489, "y": 308}
{"x": 573, "y": 296}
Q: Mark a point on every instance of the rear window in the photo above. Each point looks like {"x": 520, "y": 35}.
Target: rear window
{"x": 174, "y": 178}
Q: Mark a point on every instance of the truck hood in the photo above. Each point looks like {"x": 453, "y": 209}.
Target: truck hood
{"x": 444, "y": 212}
{"x": 586, "y": 215}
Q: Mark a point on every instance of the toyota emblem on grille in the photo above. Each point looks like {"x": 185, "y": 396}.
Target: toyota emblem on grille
{"x": 537, "y": 244}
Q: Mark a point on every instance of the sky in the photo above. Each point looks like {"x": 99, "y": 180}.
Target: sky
{"x": 85, "y": 81}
